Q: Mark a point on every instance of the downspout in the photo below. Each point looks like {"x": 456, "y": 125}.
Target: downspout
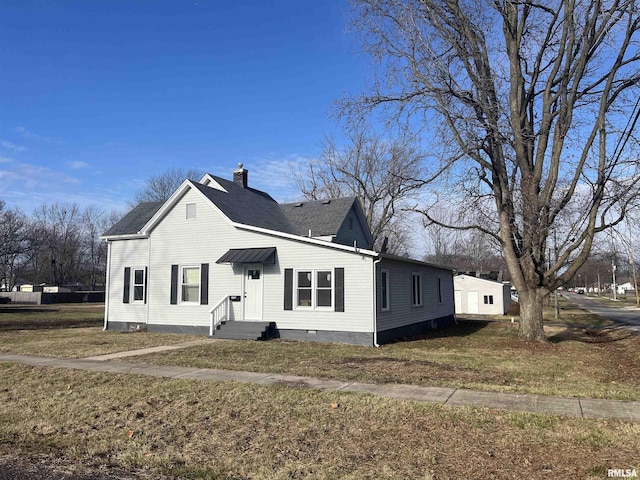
{"x": 107, "y": 285}
{"x": 146, "y": 283}
{"x": 375, "y": 303}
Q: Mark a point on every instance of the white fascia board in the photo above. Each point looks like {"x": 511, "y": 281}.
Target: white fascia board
{"x": 311, "y": 240}
{"x": 478, "y": 279}
{"x": 127, "y": 236}
{"x": 172, "y": 201}
{"x": 166, "y": 206}
{"x": 209, "y": 181}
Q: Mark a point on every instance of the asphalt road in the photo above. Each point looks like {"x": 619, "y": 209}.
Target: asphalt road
{"x": 622, "y": 315}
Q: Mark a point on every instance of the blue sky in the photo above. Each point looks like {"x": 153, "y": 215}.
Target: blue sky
{"x": 96, "y": 96}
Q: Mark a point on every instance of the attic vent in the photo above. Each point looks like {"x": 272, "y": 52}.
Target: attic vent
{"x": 299, "y": 204}
{"x": 326, "y": 202}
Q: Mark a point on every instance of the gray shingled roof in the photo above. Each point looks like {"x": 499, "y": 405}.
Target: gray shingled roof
{"x": 322, "y": 217}
{"x": 133, "y": 221}
{"x": 253, "y": 207}
{"x": 246, "y": 206}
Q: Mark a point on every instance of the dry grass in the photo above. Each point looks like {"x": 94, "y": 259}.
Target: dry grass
{"x": 221, "y": 430}
{"x": 583, "y": 362}
{"x": 70, "y": 331}
{"x": 599, "y": 363}
{"x": 83, "y": 342}
{"x": 38, "y": 317}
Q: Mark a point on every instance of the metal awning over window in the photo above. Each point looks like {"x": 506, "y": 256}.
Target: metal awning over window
{"x": 249, "y": 255}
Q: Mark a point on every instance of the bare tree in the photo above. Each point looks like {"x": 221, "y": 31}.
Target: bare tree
{"x": 95, "y": 222}
{"x": 535, "y": 105}
{"x": 160, "y": 187}
{"x": 56, "y": 239}
{"x": 380, "y": 173}
{"x": 13, "y": 224}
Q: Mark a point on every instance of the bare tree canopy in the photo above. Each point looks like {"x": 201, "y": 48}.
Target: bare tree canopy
{"x": 535, "y": 105}
{"x": 381, "y": 173}
{"x": 159, "y": 187}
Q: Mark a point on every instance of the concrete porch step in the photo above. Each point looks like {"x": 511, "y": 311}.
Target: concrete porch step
{"x": 237, "y": 330}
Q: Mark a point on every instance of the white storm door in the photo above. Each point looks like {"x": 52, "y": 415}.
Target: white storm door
{"x": 253, "y": 292}
{"x": 472, "y": 302}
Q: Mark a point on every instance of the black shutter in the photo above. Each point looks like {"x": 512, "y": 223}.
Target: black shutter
{"x": 126, "y": 295}
{"x": 339, "y": 273}
{"x": 174, "y": 284}
{"x": 288, "y": 289}
{"x": 204, "y": 284}
{"x": 146, "y": 280}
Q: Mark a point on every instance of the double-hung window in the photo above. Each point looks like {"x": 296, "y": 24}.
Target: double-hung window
{"x": 416, "y": 290}
{"x": 324, "y": 288}
{"x": 314, "y": 288}
{"x": 138, "y": 285}
{"x": 135, "y": 285}
{"x": 190, "y": 278}
{"x": 190, "y": 284}
{"x": 304, "y": 289}
{"x": 488, "y": 299}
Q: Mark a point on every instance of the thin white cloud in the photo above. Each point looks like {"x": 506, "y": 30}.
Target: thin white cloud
{"x": 26, "y": 186}
{"x": 275, "y": 176}
{"x": 33, "y": 136}
{"x": 12, "y": 146}
{"x": 5, "y": 159}
{"x": 77, "y": 164}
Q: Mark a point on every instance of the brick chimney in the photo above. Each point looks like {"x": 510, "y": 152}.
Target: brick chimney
{"x": 241, "y": 176}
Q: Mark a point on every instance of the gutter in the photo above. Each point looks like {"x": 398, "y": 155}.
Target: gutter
{"x": 375, "y": 303}
{"x": 107, "y": 286}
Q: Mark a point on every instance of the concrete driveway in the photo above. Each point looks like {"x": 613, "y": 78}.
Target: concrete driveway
{"x": 629, "y": 316}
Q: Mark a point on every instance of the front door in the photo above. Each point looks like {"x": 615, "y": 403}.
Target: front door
{"x": 253, "y": 292}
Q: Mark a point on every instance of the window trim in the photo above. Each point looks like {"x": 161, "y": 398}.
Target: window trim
{"x": 191, "y": 211}
{"x": 134, "y": 284}
{"x": 385, "y": 294}
{"x": 181, "y": 284}
{"x": 416, "y": 293}
{"x": 314, "y": 289}
{"x": 488, "y": 299}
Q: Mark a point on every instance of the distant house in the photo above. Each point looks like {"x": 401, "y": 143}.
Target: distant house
{"x": 623, "y": 288}
{"x": 221, "y": 258}
{"x": 479, "y": 296}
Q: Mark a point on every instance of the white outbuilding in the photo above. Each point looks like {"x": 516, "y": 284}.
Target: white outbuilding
{"x": 478, "y": 296}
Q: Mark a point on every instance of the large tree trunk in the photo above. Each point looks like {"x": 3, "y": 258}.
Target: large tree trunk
{"x": 531, "y": 306}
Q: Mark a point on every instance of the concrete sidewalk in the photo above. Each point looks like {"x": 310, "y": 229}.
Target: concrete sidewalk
{"x": 574, "y": 407}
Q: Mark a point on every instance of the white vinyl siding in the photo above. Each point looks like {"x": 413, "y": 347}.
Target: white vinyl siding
{"x": 352, "y": 231}
{"x": 124, "y": 253}
{"x": 177, "y": 241}
{"x": 401, "y": 310}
